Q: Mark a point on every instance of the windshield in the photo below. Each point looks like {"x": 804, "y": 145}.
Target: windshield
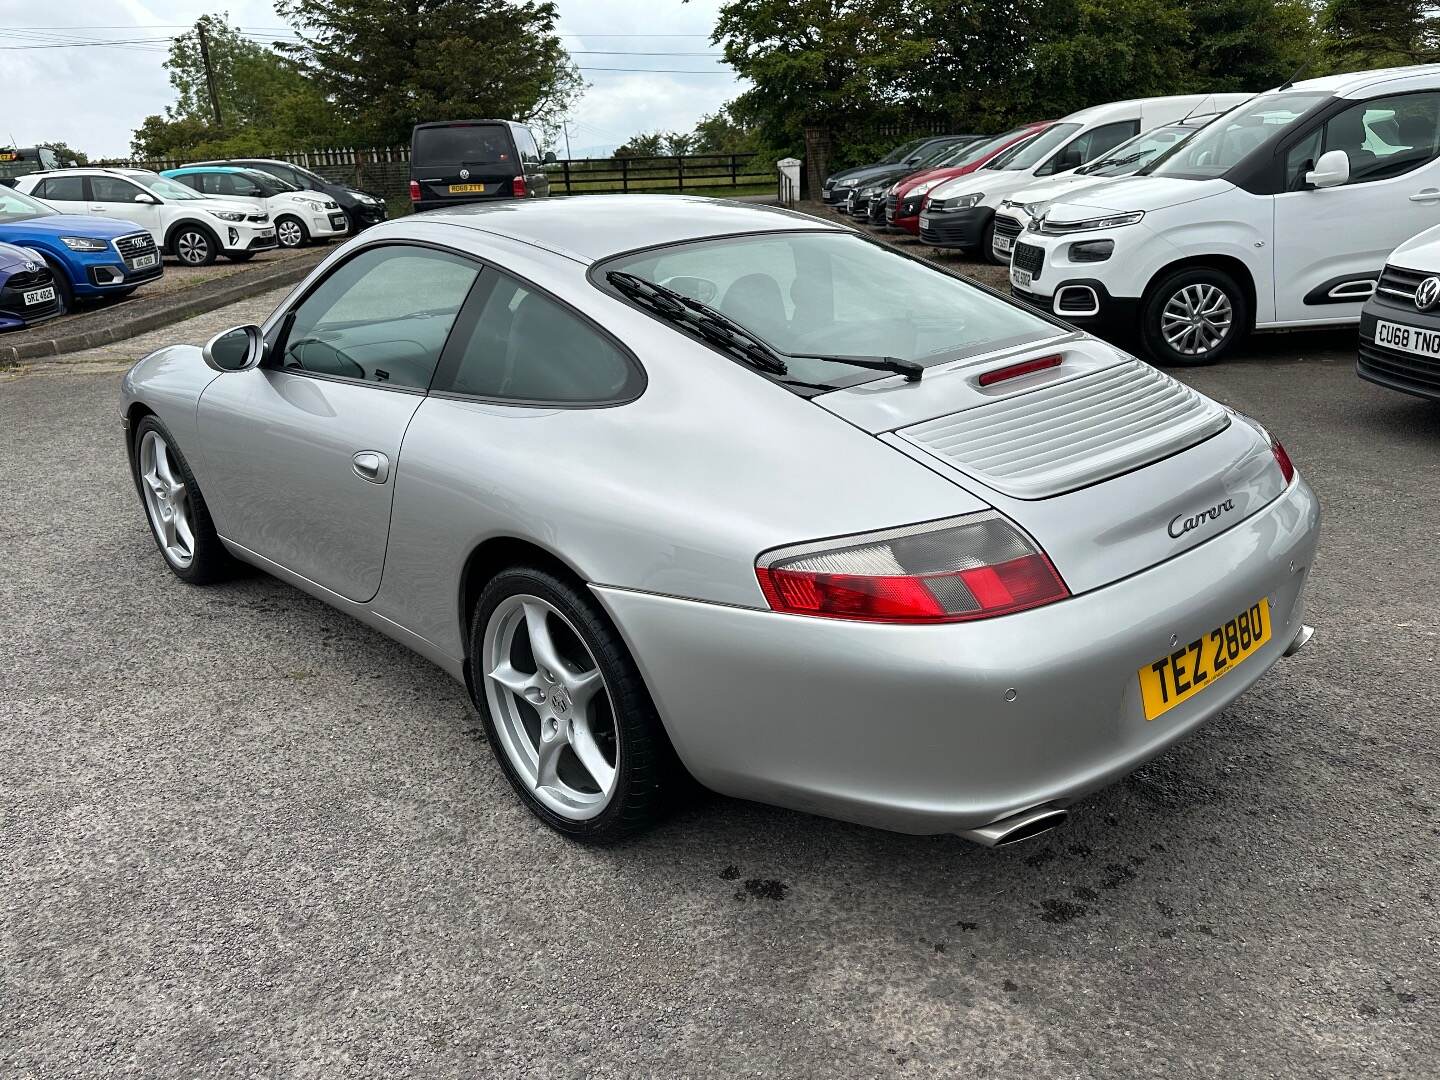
{"x": 836, "y": 293}
{"x": 1222, "y": 145}
{"x": 165, "y": 188}
{"x": 15, "y": 206}
{"x": 1032, "y": 153}
{"x": 1130, "y": 156}
{"x": 975, "y": 151}
{"x": 894, "y": 157}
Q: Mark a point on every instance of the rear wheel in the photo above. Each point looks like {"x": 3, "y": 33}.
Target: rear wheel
{"x": 1193, "y": 317}
{"x": 291, "y": 232}
{"x": 194, "y": 245}
{"x": 565, "y": 709}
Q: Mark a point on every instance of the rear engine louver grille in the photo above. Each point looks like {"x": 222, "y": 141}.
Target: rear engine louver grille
{"x": 1070, "y": 434}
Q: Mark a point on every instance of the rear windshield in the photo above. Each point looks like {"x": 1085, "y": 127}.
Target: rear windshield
{"x": 463, "y": 144}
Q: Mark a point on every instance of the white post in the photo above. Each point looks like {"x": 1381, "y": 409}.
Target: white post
{"x": 789, "y": 169}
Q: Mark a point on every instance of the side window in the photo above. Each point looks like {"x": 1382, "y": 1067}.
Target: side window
{"x": 526, "y": 347}
{"x": 1301, "y": 159}
{"x": 1090, "y": 145}
{"x": 113, "y": 189}
{"x": 190, "y": 180}
{"x": 62, "y": 189}
{"x": 381, "y": 317}
{"x": 525, "y": 143}
{"x": 1387, "y": 136}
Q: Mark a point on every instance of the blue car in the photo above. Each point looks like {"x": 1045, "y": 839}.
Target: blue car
{"x": 27, "y": 289}
{"x": 89, "y": 256}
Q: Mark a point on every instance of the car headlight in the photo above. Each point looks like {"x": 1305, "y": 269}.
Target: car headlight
{"x": 360, "y": 196}
{"x": 1109, "y": 221}
{"x": 1035, "y": 209}
{"x": 845, "y": 183}
{"x": 84, "y": 243}
{"x": 313, "y": 204}
{"x": 229, "y": 215}
{"x": 871, "y": 191}
{"x": 923, "y": 188}
{"x": 957, "y": 202}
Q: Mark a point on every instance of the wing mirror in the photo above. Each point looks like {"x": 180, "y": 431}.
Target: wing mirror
{"x": 550, "y": 157}
{"x": 148, "y": 200}
{"x": 1331, "y": 170}
{"x": 238, "y": 349}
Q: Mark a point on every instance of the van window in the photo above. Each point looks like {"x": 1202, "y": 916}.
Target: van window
{"x": 1037, "y": 149}
{"x": 1090, "y": 145}
{"x": 1387, "y": 136}
{"x": 525, "y": 142}
{"x": 463, "y": 144}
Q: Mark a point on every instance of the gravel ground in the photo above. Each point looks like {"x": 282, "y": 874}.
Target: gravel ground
{"x": 245, "y": 836}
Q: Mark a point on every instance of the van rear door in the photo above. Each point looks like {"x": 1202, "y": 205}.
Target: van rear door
{"x": 463, "y": 162}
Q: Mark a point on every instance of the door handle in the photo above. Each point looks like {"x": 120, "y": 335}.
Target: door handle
{"x": 1428, "y": 194}
{"x": 371, "y": 465}
{"x": 98, "y": 209}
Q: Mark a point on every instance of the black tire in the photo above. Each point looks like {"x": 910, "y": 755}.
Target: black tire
{"x": 987, "y": 245}
{"x": 287, "y": 225}
{"x": 193, "y": 244}
{"x": 649, "y": 777}
{"x": 63, "y": 290}
{"x": 239, "y": 256}
{"x": 209, "y": 562}
{"x": 1198, "y": 281}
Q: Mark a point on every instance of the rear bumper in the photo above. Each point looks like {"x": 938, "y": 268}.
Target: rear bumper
{"x": 913, "y": 729}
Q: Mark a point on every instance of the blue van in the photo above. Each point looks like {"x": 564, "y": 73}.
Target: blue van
{"x": 89, "y": 256}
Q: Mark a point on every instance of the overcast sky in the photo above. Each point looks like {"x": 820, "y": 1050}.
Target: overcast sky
{"x": 93, "y": 97}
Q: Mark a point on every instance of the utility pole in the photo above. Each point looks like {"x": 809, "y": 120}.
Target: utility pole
{"x": 565, "y": 127}
{"x": 202, "y": 26}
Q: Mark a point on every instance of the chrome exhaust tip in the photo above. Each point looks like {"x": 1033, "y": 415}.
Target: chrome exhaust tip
{"x": 1301, "y": 640}
{"x": 1017, "y": 827}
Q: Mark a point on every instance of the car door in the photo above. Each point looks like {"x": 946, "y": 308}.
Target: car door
{"x": 303, "y": 451}
{"x": 1328, "y": 242}
{"x": 114, "y": 197}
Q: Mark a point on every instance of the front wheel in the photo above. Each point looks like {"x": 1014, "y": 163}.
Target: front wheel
{"x": 565, "y": 710}
{"x": 178, "y": 516}
{"x": 195, "y": 246}
{"x": 987, "y": 246}
{"x": 1193, "y": 317}
{"x": 291, "y": 232}
{"x": 64, "y": 293}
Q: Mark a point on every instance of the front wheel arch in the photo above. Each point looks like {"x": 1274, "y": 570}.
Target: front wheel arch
{"x": 1226, "y": 264}
{"x": 198, "y": 226}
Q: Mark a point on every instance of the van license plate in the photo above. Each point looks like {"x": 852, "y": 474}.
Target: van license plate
{"x": 1190, "y": 668}
{"x": 1411, "y": 339}
{"x": 38, "y": 296}
{"x": 463, "y": 189}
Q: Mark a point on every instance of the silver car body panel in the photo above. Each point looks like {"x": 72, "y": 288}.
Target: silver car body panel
{"x": 662, "y": 505}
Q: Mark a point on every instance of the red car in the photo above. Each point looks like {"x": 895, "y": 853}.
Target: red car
{"x": 903, "y": 201}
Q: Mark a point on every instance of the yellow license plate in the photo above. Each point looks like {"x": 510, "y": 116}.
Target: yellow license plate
{"x": 1191, "y": 668}
{"x": 461, "y": 189}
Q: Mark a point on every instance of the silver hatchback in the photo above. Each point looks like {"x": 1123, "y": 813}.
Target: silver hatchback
{"x": 696, "y": 490}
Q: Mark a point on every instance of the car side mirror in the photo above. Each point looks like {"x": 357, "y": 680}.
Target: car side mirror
{"x": 148, "y": 200}
{"x": 1331, "y": 170}
{"x": 550, "y": 157}
{"x": 238, "y": 349}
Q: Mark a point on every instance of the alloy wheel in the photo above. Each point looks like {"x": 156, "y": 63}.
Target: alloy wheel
{"x": 192, "y": 248}
{"x": 551, "y": 707}
{"x": 289, "y": 233}
{"x": 1197, "y": 319}
{"x": 167, "y": 500}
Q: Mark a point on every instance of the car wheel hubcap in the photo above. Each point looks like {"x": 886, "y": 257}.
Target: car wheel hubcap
{"x": 289, "y": 234}
{"x": 1197, "y": 319}
{"x": 192, "y": 248}
{"x": 167, "y": 500}
{"x": 551, "y": 707}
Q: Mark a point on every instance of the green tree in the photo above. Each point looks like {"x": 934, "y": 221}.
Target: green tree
{"x": 1361, "y": 34}
{"x": 388, "y": 64}
{"x": 722, "y": 132}
{"x": 66, "y": 154}
{"x": 1239, "y": 45}
{"x": 645, "y": 144}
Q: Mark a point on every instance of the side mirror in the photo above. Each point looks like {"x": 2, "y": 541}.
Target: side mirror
{"x": 148, "y": 200}
{"x": 550, "y": 157}
{"x": 237, "y": 349}
{"x": 1331, "y": 170}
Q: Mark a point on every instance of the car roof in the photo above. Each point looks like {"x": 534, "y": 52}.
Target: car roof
{"x": 594, "y": 227}
{"x": 205, "y": 168}
{"x": 1120, "y": 110}
{"x": 1359, "y": 83}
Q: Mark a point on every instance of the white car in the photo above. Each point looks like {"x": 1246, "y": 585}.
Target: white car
{"x": 300, "y": 216}
{"x": 192, "y": 227}
{"x": 960, "y": 213}
{"x": 1278, "y": 215}
{"x": 1014, "y": 213}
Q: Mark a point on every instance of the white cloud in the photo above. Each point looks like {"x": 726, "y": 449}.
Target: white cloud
{"x": 94, "y": 97}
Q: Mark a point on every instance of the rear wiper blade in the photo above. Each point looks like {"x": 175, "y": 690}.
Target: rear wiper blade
{"x": 912, "y": 371}
{"x": 710, "y": 324}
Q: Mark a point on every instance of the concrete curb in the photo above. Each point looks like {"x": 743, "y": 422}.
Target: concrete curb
{"x": 163, "y": 311}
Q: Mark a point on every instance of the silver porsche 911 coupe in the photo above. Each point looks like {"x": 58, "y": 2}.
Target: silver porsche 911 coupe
{"x": 696, "y": 490}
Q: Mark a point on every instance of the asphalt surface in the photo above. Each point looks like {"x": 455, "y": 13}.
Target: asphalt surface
{"x": 244, "y": 836}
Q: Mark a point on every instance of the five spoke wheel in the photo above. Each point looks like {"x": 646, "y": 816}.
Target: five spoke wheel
{"x": 552, "y": 710}
{"x": 167, "y": 500}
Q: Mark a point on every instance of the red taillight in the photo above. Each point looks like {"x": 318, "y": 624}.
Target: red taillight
{"x": 971, "y": 568}
{"x": 1014, "y": 371}
{"x": 414, "y": 191}
{"x": 517, "y": 187}
{"x": 1287, "y": 467}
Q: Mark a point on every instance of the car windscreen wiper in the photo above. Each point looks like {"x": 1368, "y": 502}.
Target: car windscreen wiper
{"x": 724, "y": 331}
{"x": 1111, "y": 162}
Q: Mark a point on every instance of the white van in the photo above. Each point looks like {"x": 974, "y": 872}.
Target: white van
{"x": 1277, "y": 215}
{"x": 1015, "y": 211}
{"x": 960, "y": 213}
